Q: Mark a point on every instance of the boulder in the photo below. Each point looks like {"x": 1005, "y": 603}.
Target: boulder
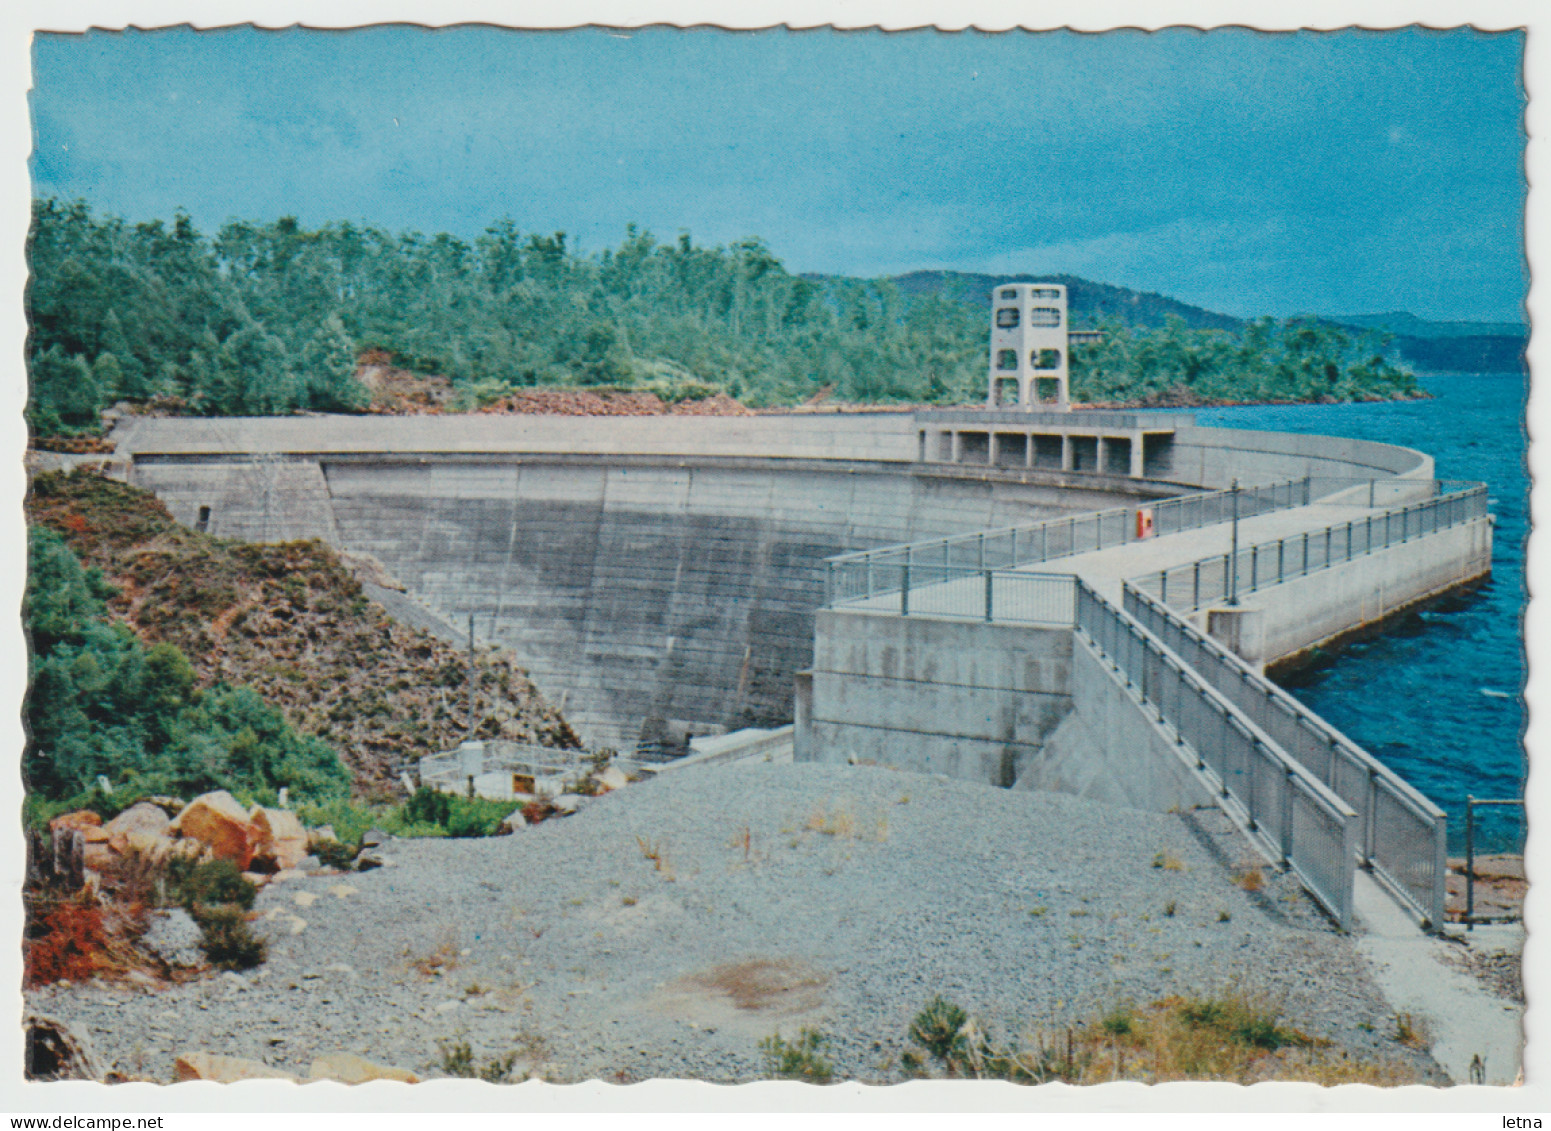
{"x": 373, "y": 838}
{"x": 224, "y": 1069}
{"x": 80, "y": 819}
{"x": 511, "y": 823}
{"x": 219, "y": 822}
{"x": 55, "y": 1051}
{"x": 611, "y": 778}
{"x": 141, "y": 817}
{"x": 567, "y": 803}
{"x": 323, "y": 834}
{"x": 172, "y": 806}
{"x": 282, "y": 840}
{"x": 189, "y": 847}
{"x": 348, "y": 1068}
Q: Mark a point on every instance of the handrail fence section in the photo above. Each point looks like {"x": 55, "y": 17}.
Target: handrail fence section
{"x": 1296, "y": 816}
{"x": 1402, "y": 835}
{"x": 1207, "y": 580}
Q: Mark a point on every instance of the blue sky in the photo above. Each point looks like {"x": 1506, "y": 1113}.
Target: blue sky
{"x": 1252, "y": 173}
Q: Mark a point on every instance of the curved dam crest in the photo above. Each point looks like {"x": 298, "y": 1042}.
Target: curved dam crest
{"x": 657, "y": 577}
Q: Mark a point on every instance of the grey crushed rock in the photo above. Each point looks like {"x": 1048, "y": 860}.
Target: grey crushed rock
{"x": 174, "y": 937}
{"x": 667, "y": 928}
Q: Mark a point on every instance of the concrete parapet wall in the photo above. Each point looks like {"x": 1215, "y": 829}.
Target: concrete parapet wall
{"x": 1008, "y": 705}
{"x": 865, "y": 436}
{"x": 962, "y": 698}
{"x": 1213, "y": 457}
{"x": 1111, "y": 748}
{"x": 1283, "y": 620}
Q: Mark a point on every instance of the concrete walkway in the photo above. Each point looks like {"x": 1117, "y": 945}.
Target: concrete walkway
{"x": 1107, "y": 569}
{"x": 1458, "y": 1017}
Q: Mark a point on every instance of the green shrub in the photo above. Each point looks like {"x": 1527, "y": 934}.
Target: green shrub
{"x": 939, "y": 1029}
{"x": 458, "y": 1060}
{"x": 229, "y": 942}
{"x": 430, "y": 806}
{"x": 799, "y": 1059}
{"x": 195, "y": 886}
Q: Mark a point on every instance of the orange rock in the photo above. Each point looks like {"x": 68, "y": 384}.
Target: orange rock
{"x": 223, "y": 1069}
{"x": 216, "y": 820}
{"x": 80, "y": 819}
{"x": 282, "y": 839}
{"x": 347, "y": 1068}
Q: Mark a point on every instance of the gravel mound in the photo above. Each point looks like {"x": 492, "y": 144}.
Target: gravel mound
{"x": 664, "y": 930}
{"x": 174, "y": 937}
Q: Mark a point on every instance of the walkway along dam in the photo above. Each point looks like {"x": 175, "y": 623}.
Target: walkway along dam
{"x": 1037, "y": 600}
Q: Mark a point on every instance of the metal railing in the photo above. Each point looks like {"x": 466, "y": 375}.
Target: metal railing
{"x": 1297, "y": 817}
{"x": 1471, "y": 805}
{"x": 1006, "y": 596}
{"x": 1207, "y": 580}
{"x": 1191, "y": 512}
{"x": 1401, "y": 834}
{"x": 864, "y": 575}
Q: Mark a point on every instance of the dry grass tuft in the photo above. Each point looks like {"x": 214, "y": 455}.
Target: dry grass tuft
{"x": 1251, "y": 879}
{"x": 1168, "y": 862}
{"x": 438, "y": 961}
{"x": 1230, "y": 1037}
{"x": 843, "y": 824}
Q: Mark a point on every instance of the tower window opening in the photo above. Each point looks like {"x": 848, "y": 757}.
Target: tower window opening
{"x": 1007, "y": 359}
{"x": 1007, "y": 317}
{"x": 1045, "y": 292}
{"x": 1006, "y": 390}
{"x": 1045, "y": 359}
{"x": 1044, "y": 316}
{"x": 1009, "y": 294}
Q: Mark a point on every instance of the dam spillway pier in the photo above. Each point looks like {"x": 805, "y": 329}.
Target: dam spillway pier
{"x": 668, "y": 575}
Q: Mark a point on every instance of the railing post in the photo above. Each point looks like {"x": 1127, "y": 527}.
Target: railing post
{"x": 1306, "y": 481}
{"x": 1287, "y": 816}
{"x": 868, "y": 560}
{"x": 829, "y": 584}
{"x": 904, "y": 587}
{"x": 1327, "y": 546}
{"x": 1013, "y": 564}
{"x": 989, "y": 575}
{"x": 1470, "y": 862}
{"x": 1254, "y": 568}
{"x": 1305, "y": 572}
{"x": 1440, "y": 871}
{"x": 982, "y": 550}
{"x": 1233, "y": 581}
{"x": 1195, "y": 597}
{"x": 1371, "y": 482}
{"x": 1371, "y": 813}
{"x": 1163, "y": 587}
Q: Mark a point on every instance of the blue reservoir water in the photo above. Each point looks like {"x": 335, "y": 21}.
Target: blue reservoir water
{"x": 1439, "y": 696}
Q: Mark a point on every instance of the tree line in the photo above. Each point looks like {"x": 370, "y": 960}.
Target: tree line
{"x": 270, "y": 318}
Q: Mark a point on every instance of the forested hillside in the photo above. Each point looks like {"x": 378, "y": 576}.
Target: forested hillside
{"x": 273, "y": 317}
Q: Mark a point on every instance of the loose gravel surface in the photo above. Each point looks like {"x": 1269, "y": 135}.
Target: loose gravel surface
{"x": 664, "y": 930}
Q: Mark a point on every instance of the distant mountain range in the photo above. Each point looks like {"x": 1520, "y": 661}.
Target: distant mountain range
{"x": 1480, "y": 347}
{"x": 1086, "y": 301}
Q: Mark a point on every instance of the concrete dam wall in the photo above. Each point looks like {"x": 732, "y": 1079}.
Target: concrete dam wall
{"x": 657, "y": 576}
